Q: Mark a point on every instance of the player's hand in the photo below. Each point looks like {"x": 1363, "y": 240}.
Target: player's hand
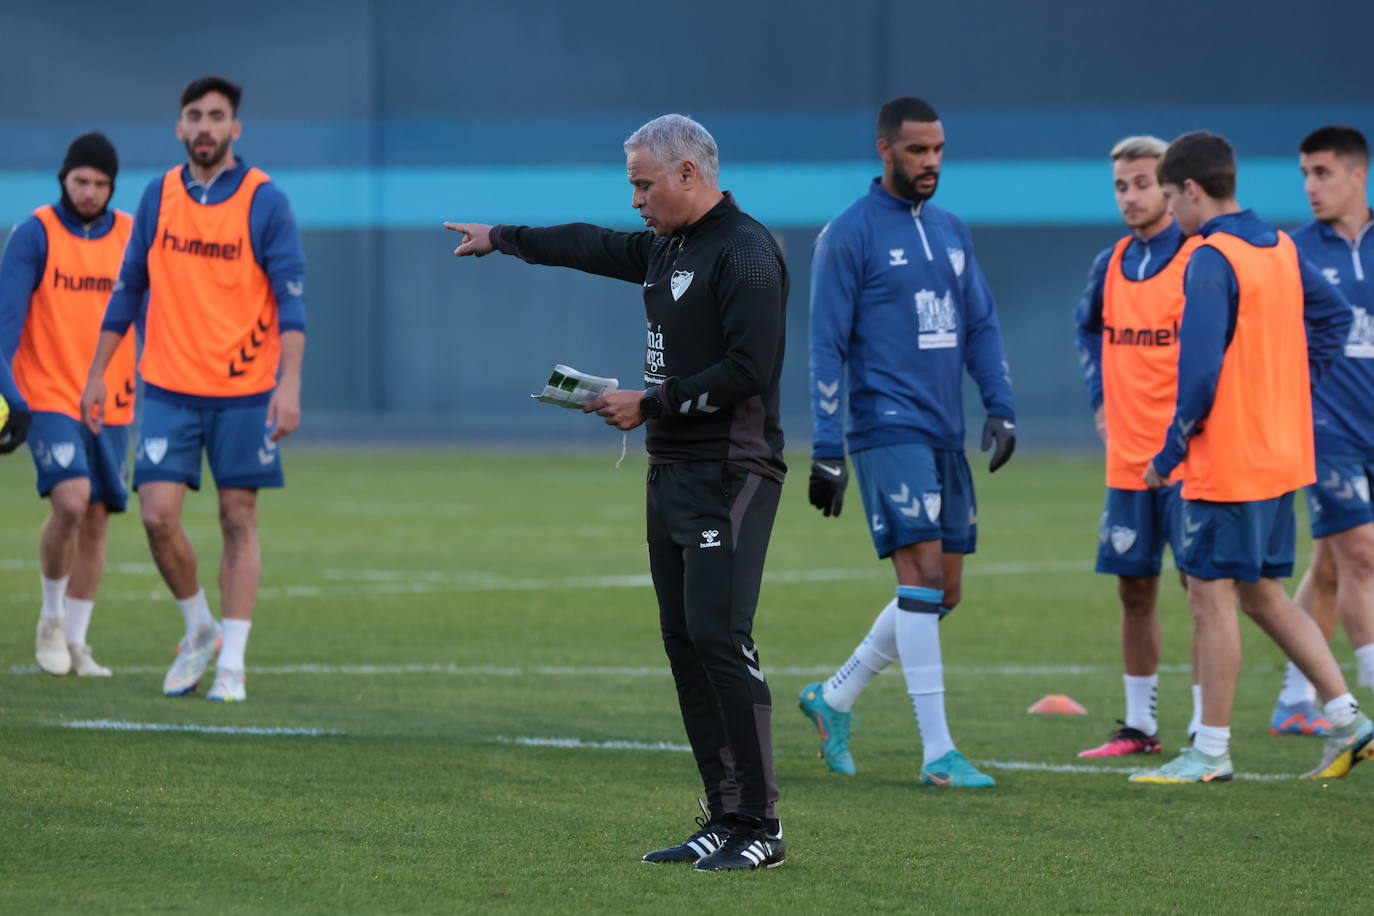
{"x": 619, "y": 408}
{"x": 93, "y": 404}
{"x": 284, "y": 411}
{"x": 999, "y": 434}
{"x": 1152, "y": 478}
{"x": 16, "y": 430}
{"x": 1100, "y": 421}
{"x": 476, "y": 239}
{"x": 829, "y": 476}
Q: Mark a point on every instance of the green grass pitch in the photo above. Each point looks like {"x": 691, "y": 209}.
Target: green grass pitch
{"x": 432, "y": 616}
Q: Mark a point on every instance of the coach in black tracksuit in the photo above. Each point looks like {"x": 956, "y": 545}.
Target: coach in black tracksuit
{"x": 715, "y": 293}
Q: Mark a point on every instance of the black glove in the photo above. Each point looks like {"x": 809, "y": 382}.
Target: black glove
{"x": 828, "y": 479}
{"x": 15, "y": 432}
{"x": 999, "y": 434}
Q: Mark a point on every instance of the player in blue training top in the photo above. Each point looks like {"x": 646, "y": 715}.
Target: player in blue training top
{"x": 1127, "y": 337}
{"x": 898, "y": 309}
{"x": 1340, "y": 578}
{"x": 15, "y": 429}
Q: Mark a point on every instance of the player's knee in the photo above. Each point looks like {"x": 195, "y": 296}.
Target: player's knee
{"x": 68, "y": 507}
{"x": 1137, "y": 594}
{"x": 159, "y": 523}
{"x": 238, "y": 517}
{"x": 952, "y": 595}
{"x": 1357, "y": 560}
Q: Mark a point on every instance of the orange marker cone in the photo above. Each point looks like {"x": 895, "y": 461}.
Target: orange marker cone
{"x": 1058, "y": 704}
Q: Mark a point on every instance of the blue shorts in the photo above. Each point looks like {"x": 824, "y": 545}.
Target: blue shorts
{"x": 1136, "y": 524}
{"x": 1339, "y": 500}
{"x": 64, "y": 449}
{"x": 914, "y": 493}
{"x": 236, "y": 439}
{"x": 1244, "y": 541}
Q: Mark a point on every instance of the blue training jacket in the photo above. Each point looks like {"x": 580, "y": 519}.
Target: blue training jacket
{"x": 24, "y": 263}
{"x": 898, "y": 309}
{"x": 8, "y": 389}
{"x": 1343, "y": 404}
{"x": 1142, "y": 259}
{"x": 275, "y": 241}
{"x": 1212, "y": 300}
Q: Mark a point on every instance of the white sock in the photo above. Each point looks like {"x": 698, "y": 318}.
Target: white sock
{"x": 1341, "y": 711}
{"x": 1213, "y": 740}
{"x": 876, "y": 652}
{"x": 1296, "y": 687}
{"x": 78, "y": 619}
{"x": 1140, "y": 702}
{"x": 1364, "y": 660}
{"x": 54, "y": 595}
{"x": 235, "y": 642}
{"x": 918, "y": 646}
{"x": 196, "y": 610}
{"x": 1196, "y": 721}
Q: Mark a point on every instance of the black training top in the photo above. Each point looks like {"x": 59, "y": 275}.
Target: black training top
{"x": 716, "y": 299}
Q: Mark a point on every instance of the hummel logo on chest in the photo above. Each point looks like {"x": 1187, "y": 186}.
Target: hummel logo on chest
{"x": 897, "y": 256}
{"x": 710, "y": 538}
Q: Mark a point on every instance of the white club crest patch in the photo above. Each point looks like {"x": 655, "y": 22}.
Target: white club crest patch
{"x": 155, "y": 449}
{"x": 1123, "y": 538}
{"x": 932, "y": 503}
{"x": 956, "y": 260}
{"x": 63, "y": 453}
{"x": 680, "y": 281}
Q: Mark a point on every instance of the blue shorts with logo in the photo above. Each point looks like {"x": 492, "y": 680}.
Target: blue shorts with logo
{"x": 236, "y": 439}
{"x": 1339, "y": 500}
{"x": 1136, "y": 524}
{"x": 914, "y": 493}
{"x": 1245, "y": 541}
{"x": 64, "y": 449}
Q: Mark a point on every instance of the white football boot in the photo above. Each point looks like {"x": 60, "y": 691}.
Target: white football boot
{"x": 84, "y": 664}
{"x": 194, "y": 655}
{"x": 50, "y": 648}
{"x": 228, "y": 687}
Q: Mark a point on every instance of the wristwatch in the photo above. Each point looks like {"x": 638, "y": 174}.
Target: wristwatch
{"x": 650, "y": 407}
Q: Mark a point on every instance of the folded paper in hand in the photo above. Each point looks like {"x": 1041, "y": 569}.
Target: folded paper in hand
{"x": 574, "y": 390}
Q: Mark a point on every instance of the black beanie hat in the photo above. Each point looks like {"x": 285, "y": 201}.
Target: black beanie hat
{"x": 92, "y": 150}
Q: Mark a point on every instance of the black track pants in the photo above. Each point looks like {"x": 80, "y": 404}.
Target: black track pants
{"x": 708, "y": 526}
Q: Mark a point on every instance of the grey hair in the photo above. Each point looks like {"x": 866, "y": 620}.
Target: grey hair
{"x": 673, "y": 139}
{"x": 1142, "y": 147}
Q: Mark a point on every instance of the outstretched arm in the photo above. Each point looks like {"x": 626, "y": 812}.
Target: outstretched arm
{"x": 619, "y": 255}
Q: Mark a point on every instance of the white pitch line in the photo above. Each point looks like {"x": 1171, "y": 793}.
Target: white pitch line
{"x": 119, "y": 725}
{"x": 578, "y": 744}
{"x": 566, "y": 671}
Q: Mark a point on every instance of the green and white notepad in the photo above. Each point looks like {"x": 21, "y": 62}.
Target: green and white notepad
{"x": 574, "y": 390}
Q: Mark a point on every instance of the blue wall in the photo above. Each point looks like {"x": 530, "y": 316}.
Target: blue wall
{"x": 381, "y": 122}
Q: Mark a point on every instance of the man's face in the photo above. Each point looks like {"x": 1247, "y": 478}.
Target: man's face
{"x": 1183, "y": 205}
{"x": 208, "y": 127}
{"x": 1139, "y": 196}
{"x": 1333, "y": 184}
{"x": 660, "y": 194}
{"x": 911, "y": 160}
{"x": 88, "y": 189}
